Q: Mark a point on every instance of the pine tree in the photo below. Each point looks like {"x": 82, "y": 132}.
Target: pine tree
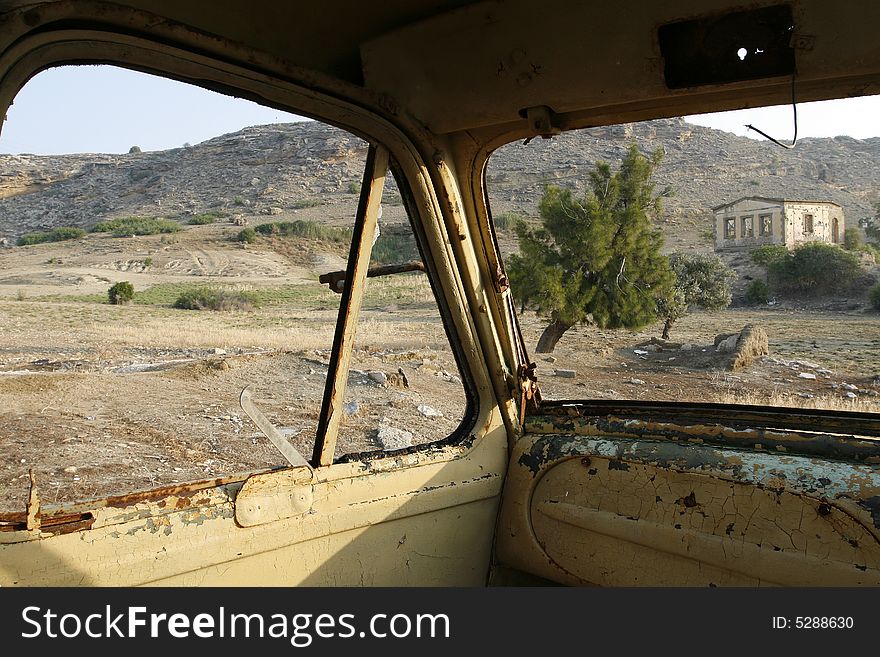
{"x": 595, "y": 259}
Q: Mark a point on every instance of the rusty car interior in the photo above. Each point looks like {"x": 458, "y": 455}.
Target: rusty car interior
{"x": 527, "y": 490}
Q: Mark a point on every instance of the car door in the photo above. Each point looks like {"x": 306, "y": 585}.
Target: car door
{"x": 665, "y": 494}
{"x": 416, "y": 516}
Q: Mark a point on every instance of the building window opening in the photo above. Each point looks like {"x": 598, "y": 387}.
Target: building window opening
{"x": 730, "y": 229}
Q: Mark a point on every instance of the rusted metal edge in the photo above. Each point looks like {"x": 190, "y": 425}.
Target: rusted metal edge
{"x": 80, "y": 515}
{"x": 59, "y": 524}
{"x": 793, "y": 472}
{"x": 336, "y": 279}
{"x": 732, "y": 415}
{"x": 818, "y": 445}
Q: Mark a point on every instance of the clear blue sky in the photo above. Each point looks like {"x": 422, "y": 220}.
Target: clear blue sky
{"x": 102, "y": 109}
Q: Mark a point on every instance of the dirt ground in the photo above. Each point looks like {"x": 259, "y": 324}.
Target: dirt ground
{"x": 100, "y": 399}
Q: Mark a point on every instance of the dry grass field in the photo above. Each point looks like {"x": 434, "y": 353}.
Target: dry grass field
{"x": 102, "y": 399}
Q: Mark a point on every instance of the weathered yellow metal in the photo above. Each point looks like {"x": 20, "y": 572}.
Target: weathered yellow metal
{"x": 381, "y": 523}
{"x": 272, "y": 496}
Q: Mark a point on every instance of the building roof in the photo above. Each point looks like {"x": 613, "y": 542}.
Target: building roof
{"x": 772, "y": 199}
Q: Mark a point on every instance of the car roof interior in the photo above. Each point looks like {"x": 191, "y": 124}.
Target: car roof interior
{"x": 493, "y": 67}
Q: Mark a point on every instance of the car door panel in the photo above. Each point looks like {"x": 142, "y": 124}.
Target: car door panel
{"x": 383, "y": 522}
{"x": 640, "y": 499}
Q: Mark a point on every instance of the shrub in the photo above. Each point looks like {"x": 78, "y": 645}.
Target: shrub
{"x": 120, "y": 293}
{"x": 128, "y": 226}
{"x": 769, "y": 253}
{"x": 201, "y": 219}
{"x": 307, "y": 229}
{"x": 215, "y": 299}
{"x": 852, "y": 239}
{"x": 307, "y": 203}
{"x": 354, "y": 187}
{"x": 874, "y": 297}
{"x": 814, "y": 268}
{"x": 507, "y": 221}
{"x": 395, "y": 245}
{"x": 757, "y": 293}
{"x": 700, "y": 280}
{"x": 134, "y": 149}
{"x": 248, "y": 235}
{"x": 54, "y": 235}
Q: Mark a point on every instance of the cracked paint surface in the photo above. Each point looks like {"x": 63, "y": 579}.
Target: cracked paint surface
{"x": 654, "y": 501}
{"x": 694, "y": 527}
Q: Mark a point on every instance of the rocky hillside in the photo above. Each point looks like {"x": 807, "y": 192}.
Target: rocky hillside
{"x": 271, "y": 169}
{"x": 703, "y": 167}
{"x": 258, "y": 170}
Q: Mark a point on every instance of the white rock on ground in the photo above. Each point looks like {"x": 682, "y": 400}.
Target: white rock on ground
{"x": 379, "y": 377}
{"x": 391, "y": 438}
{"x": 428, "y": 411}
{"x": 566, "y": 374}
{"x": 806, "y": 375}
{"x": 727, "y": 346}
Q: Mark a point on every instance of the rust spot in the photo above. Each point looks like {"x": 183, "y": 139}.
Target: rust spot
{"x": 60, "y": 524}
{"x": 618, "y": 465}
{"x": 586, "y": 461}
{"x": 690, "y": 501}
{"x": 824, "y": 509}
{"x": 181, "y": 491}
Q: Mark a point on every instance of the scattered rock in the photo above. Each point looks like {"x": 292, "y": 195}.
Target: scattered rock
{"x": 550, "y": 359}
{"x": 636, "y": 382}
{"x": 640, "y": 352}
{"x": 398, "y": 379}
{"x": 428, "y": 411}
{"x": 566, "y": 374}
{"x": 751, "y": 345}
{"x": 806, "y": 375}
{"x": 351, "y": 408}
{"x": 653, "y": 348}
{"x": 849, "y": 386}
{"x": 219, "y": 352}
{"x": 390, "y": 438}
{"x": 850, "y": 395}
{"x": 721, "y": 337}
{"x": 379, "y": 377}
{"x": 727, "y": 345}
{"x": 70, "y": 470}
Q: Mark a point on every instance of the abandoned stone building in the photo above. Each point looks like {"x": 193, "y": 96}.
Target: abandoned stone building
{"x": 756, "y": 220}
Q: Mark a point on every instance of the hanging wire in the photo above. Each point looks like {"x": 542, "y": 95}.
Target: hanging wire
{"x": 794, "y": 111}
